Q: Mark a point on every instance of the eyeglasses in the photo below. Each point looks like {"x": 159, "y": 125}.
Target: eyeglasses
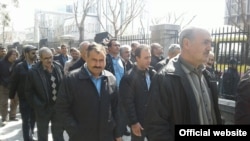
{"x": 47, "y": 58}
{"x": 117, "y": 45}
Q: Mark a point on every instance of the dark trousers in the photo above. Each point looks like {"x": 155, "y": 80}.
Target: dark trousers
{"x": 28, "y": 119}
{"x": 43, "y": 119}
{"x": 124, "y": 120}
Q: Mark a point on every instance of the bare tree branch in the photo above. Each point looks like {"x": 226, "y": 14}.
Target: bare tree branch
{"x": 85, "y": 5}
{"x": 122, "y": 13}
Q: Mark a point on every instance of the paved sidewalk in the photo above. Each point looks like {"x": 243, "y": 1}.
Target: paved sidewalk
{"x": 12, "y": 131}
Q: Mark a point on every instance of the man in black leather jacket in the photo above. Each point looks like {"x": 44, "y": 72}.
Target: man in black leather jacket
{"x": 88, "y": 100}
{"x": 134, "y": 91}
{"x": 41, "y": 90}
{"x": 17, "y": 84}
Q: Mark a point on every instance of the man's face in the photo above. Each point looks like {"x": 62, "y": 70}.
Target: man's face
{"x": 75, "y": 55}
{"x": 32, "y": 55}
{"x": 115, "y": 48}
{"x": 199, "y": 47}
{"x": 47, "y": 59}
{"x": 64, "y": 50}
{"x": 3, "y": 52}
{"x": 143, "y": 62}
{"x": 13, "y": 57}
{"x": 125, "y": 54}
{"x": 96, "y": 62}
{"x": 158, "y": 51}
{"x": 175, "y": 53}
{"x": 210, "y": 61}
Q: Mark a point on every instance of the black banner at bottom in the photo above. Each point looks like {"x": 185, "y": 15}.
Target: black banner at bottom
{"x": 197, "y": 132}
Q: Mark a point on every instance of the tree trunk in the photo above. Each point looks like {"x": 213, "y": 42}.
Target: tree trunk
{"x": 81, "y": 34}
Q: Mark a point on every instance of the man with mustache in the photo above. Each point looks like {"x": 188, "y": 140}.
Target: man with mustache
{"x": 88, "y": 100}
{"x": 210, "y": 65}
{"x": 182, "y": 92}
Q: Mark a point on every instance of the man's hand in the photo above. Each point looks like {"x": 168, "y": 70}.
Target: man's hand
{"x": 118, "y": 139}
{"x": 136, "y": 129}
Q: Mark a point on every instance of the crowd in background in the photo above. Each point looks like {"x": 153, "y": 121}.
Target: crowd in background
{"x": 98, "y": 92}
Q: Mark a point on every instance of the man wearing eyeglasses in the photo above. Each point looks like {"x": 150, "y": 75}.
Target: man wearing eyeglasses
{"x": 17, "y": 84}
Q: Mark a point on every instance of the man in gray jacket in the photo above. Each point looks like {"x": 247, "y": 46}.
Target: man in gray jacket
{"x": 182, "y": 92}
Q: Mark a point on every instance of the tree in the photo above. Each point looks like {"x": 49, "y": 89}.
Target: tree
{"x": 173, "y": 18}
{"x": 237, "y": 13}
{"x": 81, "y": 10}
{"x": 119, "y": 14}
{"x": 5, "y": 17}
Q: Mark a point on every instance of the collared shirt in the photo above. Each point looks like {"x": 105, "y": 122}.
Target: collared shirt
{"x": 118, "y": 68}
{"x": 148, "y": 79}
{"x": 97, "y": 81}
{"x": 201, "y": 91}
{"x": 30, "y": 65}
{"x": 65, "y": 58}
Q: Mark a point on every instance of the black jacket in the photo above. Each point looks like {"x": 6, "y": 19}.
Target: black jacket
{"x": 17, "y": 80}
{"x": 85, "y": 114}
{"x": 161, "y": 64}
{"x": 5, "y": 72}
{"x": 155, "y": 60}
{"x": 173, "y": 102}
{"x": 77, "y": 65}
{"x": 59, "y": 59}
{"x": 36, "y": 87}
{"x": 242, "y": 110}
{"x": 230, "y": 80}
{"x": 109, "y": 64}
{"x": 134, "y": 94}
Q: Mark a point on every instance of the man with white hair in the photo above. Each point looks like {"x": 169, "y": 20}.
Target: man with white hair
{"x": 83, "y": 50}
{"x": 125, "y": 53}
{"x": 182, "y": 92}
{"x": 173, "y": 50}
{"x": 41, "y": 90}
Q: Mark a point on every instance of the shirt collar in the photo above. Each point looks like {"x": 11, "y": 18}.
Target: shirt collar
{"x": 190, "y": 68}
{"x": 116, "y": 58}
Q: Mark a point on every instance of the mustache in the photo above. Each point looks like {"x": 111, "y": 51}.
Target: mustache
{"x": 96, "y": 67}
{"x": 209, "y": 64}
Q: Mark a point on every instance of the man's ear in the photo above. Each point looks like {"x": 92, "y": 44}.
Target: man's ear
{"x": 186, "y": 43}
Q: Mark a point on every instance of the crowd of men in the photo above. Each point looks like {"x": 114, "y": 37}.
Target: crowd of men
{"x": 96, "y": 93}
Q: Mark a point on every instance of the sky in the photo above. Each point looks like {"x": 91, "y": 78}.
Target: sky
{"x": 209, "y": 13}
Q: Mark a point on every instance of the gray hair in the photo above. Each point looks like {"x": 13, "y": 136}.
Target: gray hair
{"x": 135, "y": 43}
{"x": 123, "y": 47}
{"x": 82, "y": 44}
{"x": 44, "y": 50}
{"x": 189, "y": 33}
{"x": 173, "y": 47}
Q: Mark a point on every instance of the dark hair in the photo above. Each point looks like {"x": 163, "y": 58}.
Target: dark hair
{"x": 110, "y": 42}
{"x": 73, "y": 49}
{"x": 9, "y": 53}
{"x": 154, "y": 46}
{"x": 233, "y": 61}
{"x": 140, "y": 48}
{"x": 63, "y": 45}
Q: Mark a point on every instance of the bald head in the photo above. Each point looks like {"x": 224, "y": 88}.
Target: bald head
{"x": 83, "y": 48}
